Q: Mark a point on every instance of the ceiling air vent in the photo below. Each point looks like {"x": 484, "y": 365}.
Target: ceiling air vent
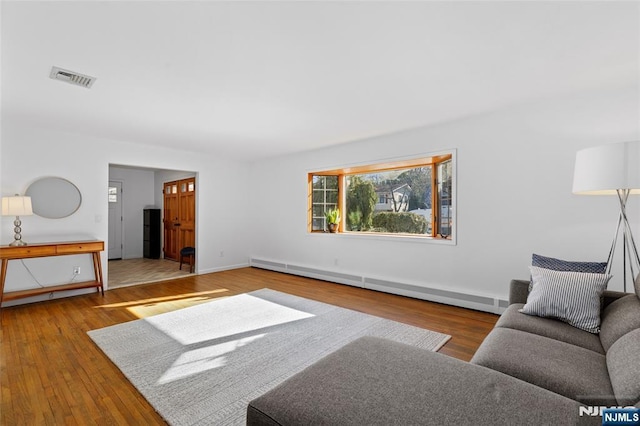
{"x": 72, "y": 77}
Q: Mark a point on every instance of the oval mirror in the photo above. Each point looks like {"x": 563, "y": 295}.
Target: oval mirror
{"x": 54, "y": 197}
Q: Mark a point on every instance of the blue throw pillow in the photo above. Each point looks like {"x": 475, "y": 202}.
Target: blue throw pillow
{"x": 566, "y": 265}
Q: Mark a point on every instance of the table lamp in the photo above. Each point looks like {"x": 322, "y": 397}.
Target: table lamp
{"x": 17, "y": 206}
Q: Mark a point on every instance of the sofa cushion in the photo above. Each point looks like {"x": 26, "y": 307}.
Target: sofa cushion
{"x": 566, "y": 369}
{"x": 636, "y": 285}
{"x": 567, "y": 265}
{"x": 623, "y": 362}
{"x": 618, "y": 319}
{"x": 551, "y": 328}
{"x": 374, "y": 381}
{"x": 572, "y": 297}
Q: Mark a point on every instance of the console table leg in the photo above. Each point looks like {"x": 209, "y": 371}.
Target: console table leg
{"x": 3, "y": 276}
{"x": 97, "y": 269}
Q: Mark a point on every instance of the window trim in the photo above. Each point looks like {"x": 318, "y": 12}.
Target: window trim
{"x": 431, "y": 159}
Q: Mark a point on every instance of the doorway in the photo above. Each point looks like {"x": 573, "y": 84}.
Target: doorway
{"x": 138, "y": 189}
{"x": 179, "y": 217}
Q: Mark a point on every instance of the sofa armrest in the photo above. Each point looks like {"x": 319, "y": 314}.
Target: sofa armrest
{"x": 518, "y": 291}
{"x": 611, "y": 296}
{"x": 376, "y": 381}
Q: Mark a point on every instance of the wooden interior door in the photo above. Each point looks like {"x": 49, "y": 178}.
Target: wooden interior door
{"x": 179, "y": 216}
{"x": 170, "y": 218}
{"x": 187, "y": 213}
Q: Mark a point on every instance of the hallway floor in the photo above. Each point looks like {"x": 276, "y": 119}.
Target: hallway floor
{"x": 126, "y": 272}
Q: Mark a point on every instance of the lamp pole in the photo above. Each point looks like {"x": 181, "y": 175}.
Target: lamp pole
{"x": 629, "y": 248}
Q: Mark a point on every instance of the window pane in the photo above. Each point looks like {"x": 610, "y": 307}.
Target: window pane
{"x": 318, "y": 224}
{"x": 445, "y": 198}
{"x": 318, "y": 210}
{"x": 332, "y": 182}
{"x": 318, "y": 196}
{"x": 324, "y": 197}
{"x": 113, "y": 194}
{"x": 397, "y": 201}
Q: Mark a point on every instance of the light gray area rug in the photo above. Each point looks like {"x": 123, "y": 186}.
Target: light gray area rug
{"x": 203, "y": 364}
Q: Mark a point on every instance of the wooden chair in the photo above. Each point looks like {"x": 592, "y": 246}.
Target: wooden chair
{"x": 191, "y": 252}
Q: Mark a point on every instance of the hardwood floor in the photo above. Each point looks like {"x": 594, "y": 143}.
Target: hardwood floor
{"x": 51, "y": 373}
{"x": 126, "y": 272}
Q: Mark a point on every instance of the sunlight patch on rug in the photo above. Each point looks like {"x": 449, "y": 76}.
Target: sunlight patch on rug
{"x": 234, "y": 315}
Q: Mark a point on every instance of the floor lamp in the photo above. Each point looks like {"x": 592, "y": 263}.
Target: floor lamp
{"x": 613, "y": 169}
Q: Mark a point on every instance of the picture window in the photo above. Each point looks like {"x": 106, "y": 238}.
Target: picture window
{"x": 406, "y": 198}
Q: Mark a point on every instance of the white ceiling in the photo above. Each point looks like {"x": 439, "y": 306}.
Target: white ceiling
{"x": 256, "y": 79}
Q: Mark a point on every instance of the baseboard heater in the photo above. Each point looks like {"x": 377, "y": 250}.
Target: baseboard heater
{"x": 465, "y": 300}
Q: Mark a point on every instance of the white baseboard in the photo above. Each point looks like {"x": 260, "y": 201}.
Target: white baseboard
{"x": 465, "y": 300}
{"x": 223, "y": 268}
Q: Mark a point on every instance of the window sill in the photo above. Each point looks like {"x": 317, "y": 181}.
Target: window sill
{"x": 387, "y": 237}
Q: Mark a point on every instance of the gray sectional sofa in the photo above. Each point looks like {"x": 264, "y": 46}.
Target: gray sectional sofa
{"x": 595, "y": 369}
{"x": 529, "y": 370}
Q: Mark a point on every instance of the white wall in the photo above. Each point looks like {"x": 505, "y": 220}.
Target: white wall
{"x": 28, "y": 153}
{"x": 138, "y": 193}
{"x": 514, "y": 180}
{"x": 514, "y": 197}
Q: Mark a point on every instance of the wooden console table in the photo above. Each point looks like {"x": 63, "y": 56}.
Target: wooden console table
{"x": 46, "y": 250}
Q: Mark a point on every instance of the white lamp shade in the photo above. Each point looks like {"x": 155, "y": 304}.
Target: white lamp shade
{"x": 602, "y": 170}
{"x": 16, "y": 206}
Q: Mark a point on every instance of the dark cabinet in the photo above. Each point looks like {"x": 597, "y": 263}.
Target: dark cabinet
{"x": 152, "y": 227}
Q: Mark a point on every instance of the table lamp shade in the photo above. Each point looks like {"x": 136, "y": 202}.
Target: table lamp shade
{"x": 16, "y": 206}
{"x": 602, "y": 170}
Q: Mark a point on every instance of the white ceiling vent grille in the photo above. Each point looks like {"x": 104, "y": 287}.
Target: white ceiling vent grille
{"x": 72, "y": 77}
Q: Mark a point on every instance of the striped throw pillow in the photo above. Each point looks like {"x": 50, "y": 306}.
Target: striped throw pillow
{"x": 572, "y": 297}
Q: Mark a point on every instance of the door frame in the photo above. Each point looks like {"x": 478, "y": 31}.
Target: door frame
{"x": 121, "y": 234}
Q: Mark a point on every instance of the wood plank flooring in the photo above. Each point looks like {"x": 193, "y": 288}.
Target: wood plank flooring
{"x": 125, "y": 272}
{"x": 51, "y": 373}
